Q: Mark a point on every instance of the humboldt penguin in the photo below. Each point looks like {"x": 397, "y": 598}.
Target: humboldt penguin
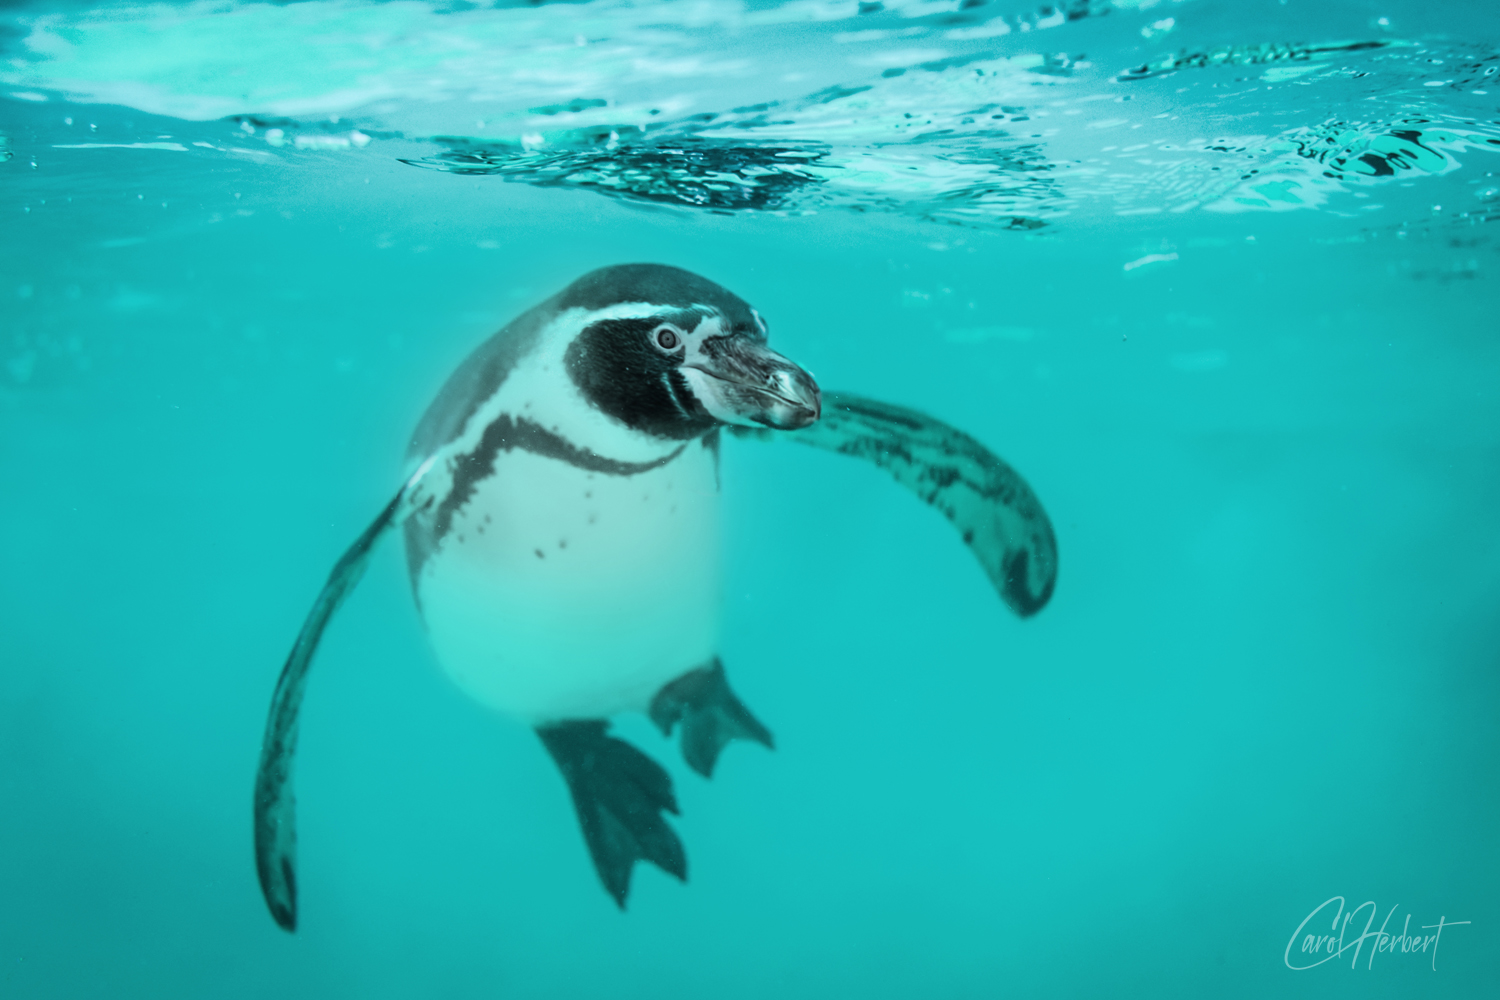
{"x": 561, "y": 518}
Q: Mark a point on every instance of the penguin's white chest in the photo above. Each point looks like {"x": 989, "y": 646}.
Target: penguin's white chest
{"x": 560, "y": 593}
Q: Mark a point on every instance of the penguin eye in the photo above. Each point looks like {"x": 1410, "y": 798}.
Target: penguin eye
{"x": 667, "y": 339}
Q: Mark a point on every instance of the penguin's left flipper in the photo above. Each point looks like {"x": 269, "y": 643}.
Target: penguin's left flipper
{"x": 1000, "y": 518}
{"x": 275, "y": 804}
{"x": 619, "y": 794}
{"x": 710, "y": 713}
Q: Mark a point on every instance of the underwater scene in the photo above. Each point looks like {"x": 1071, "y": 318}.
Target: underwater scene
{"x": 409, "y": 589}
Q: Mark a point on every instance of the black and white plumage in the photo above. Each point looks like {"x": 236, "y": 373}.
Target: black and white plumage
{"x": 562, "y": 537}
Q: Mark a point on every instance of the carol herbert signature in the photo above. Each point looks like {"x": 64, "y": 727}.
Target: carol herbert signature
{"x": 1309, "y": 947}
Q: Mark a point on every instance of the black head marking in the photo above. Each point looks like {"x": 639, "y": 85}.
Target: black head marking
{"x": 629, "y": 367}
{"x": 626, "y": 368}
{"x": 619, "y": 367}
{"x": 481, "y": 375}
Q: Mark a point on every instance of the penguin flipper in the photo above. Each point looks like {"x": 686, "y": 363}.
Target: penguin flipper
{"x": 710, "y": 713}
{"x": 275, "y": 805}
{"x": 620, "y": 795}
{"x": 1000, "y": 518}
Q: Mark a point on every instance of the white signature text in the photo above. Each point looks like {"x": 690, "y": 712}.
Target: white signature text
{"x": 1309, "y": 947}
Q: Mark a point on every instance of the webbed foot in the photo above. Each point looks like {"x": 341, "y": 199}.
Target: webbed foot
{"x": 710, "y": 714}
{"x": 620, "y": 795}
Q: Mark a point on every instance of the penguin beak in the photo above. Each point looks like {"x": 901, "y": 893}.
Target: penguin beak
{"x": 741, "y": 381}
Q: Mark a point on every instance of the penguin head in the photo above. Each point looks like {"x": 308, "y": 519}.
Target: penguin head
{"x": 675, "y": 355}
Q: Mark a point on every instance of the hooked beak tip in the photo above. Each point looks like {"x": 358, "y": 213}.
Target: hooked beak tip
{"x": 751, "y": 385}
{"x": 804, "y": 397}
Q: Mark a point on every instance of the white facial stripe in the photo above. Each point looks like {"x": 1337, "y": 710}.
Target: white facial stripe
{"x": 764, "y": 330}
{"x": 711, "y": 326}
{"x": 666, "y": 383}
{"x": 708, "y": 391}
{"x": 691, "y": 348}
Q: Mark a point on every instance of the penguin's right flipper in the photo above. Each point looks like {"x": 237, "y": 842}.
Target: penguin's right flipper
{"x": 275, "y": 804}
{"x": 620, "y": 795}
{"x": 1000, "y": 518}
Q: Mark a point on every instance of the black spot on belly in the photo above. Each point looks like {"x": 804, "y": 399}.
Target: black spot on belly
{"x": 593, "y": 518}
{"x": 539, "y": 553}
{"x": 562, "y": 543}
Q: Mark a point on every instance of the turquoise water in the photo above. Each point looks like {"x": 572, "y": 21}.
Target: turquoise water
{"x": 1220, "y": 281}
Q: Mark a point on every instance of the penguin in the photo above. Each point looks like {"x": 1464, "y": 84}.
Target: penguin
{"x": 561, "y": 518}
